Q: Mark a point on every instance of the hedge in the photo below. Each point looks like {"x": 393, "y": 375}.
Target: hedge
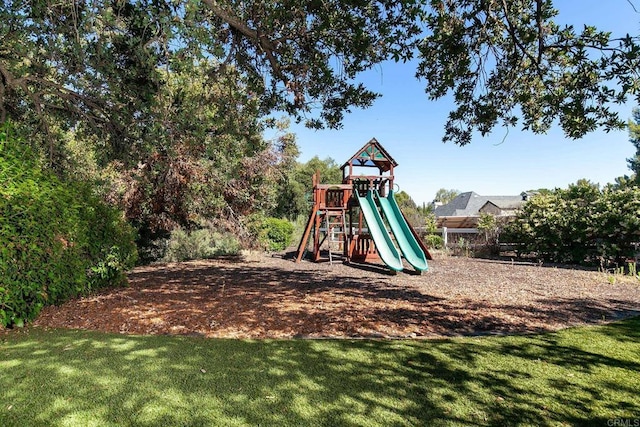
{"x": 581, "y": 224}
{"x": 58, "y": 240}
{"x": 269, "y": 233}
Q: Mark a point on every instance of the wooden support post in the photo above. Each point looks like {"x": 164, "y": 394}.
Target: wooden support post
{"x": 345, "y": 234}
{"x": 305, "y": 236}
{"x": 316, "y": 236}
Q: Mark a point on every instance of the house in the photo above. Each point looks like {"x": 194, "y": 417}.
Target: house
{"x": 465, "y": 209}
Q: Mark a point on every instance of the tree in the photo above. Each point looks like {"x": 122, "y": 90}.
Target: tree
{"x": 204, "y": 157}
{"x": 100, "y": 62}
{"x": 508, "y": 62}
{"x": 294, "y": 191}
{"x": 505, "y": 62}
{"x": 634, "y": 137}
{"x": 444, "y": 196}
{"x": 72, "y": 62}
{"x": 622, "y": 182}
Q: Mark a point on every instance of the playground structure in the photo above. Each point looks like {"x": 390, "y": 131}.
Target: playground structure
{"x": 362, "y": 217}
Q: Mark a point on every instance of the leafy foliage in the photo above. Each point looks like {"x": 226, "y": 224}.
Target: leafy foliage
{"x": 434, "y": 241}
{"x": 104, "y": 63}
{"x": 295, "y": 190}
{"x": 271, "y": 234}
{"x": 492, "y": 226}
{"x": 507, "y": 62}
{"x": 444, "y": 196}
{"x": 634, "y": 137}
{"x": 579, "y": 224}
{"x": 279, "y": 233}
{"x": 173, "y": 138}
{"x": 199, "y": 244}
{"x": 57, "y": 239}
{"x": 197, "y": 156}
{"x": 203, "y": 159}
{"x": 103, "y": 59}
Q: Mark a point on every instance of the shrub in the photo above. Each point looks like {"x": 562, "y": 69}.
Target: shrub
{"x": 271, "y": 234}
{"x": 434, "y": 241}
{"x": 185, "y": 246}
{"x": 57, "y": 239}
{"x": 581, "y": 224}
{"x": 200, "y": 244}
{"x": 226, "y": 244}
{"x": 279, "y": 233}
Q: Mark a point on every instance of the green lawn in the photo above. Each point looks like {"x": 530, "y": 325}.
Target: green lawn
{"x": 582, "y": 376}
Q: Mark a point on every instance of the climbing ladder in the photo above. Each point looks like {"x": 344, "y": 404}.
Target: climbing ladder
{"x": 328, "y": 225}
{"x": 335, "y": 220}
{"x": 328, "y": 215}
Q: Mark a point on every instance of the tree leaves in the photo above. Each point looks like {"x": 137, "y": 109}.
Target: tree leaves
{"x": 509, "y": 62}
{"x": 634, "y": 137}
{"x": 504, "y": 62}
{"x": 58, "y": 239}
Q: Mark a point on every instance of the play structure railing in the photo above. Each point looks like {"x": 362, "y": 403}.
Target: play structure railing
{"x": 331, "y": 196}
{"x": 364, "y": 183}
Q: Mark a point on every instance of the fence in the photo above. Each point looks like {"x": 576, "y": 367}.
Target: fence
{"x": 447, "y": 232}
{"x": 450, "y": 236}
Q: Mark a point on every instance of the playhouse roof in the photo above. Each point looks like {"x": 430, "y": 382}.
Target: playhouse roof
{"x": 372, "y": 154}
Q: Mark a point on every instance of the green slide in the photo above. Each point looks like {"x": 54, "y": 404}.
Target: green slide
{"x": 387, "y": 251}
{"x": 404, "y": 237}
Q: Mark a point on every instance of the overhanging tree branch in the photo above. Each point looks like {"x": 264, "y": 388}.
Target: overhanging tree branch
{"x": 267, "y": 47}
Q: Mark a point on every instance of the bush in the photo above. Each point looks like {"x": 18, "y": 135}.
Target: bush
{"x": 434, "y": 241}
{"x": 57, "y": 239}
{"x": 581, "y": 224}
{"x": 200, "y": 244}
{"x": 271, "y": 234}
{"x": 279, "y": 233}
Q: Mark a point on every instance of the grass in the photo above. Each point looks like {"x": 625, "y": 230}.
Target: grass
{"x": 581, "y": 376}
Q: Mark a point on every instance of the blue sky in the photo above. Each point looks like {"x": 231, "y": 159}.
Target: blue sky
{"x": 410, "y": 127}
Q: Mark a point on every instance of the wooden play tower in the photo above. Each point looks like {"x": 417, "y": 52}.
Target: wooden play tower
{"x": 337, "y": 215}
{"x": 328, "y": 218}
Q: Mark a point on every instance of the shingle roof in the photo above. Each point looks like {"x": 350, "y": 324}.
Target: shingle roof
{"x": 469, "y": 203}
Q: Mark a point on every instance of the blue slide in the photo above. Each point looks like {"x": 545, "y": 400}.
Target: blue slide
{"x": 404, "y": 237}
{"x": 384, "y": 245}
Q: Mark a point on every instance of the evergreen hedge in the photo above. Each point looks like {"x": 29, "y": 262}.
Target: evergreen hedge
{"x": 269, "y": 233}
{"x": 58, "y": 240}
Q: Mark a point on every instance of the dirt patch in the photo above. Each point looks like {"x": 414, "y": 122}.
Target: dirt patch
{"x": 272, "y": 297}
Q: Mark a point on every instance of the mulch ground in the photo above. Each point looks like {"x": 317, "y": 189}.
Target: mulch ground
{"x": 263, "y": 296}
